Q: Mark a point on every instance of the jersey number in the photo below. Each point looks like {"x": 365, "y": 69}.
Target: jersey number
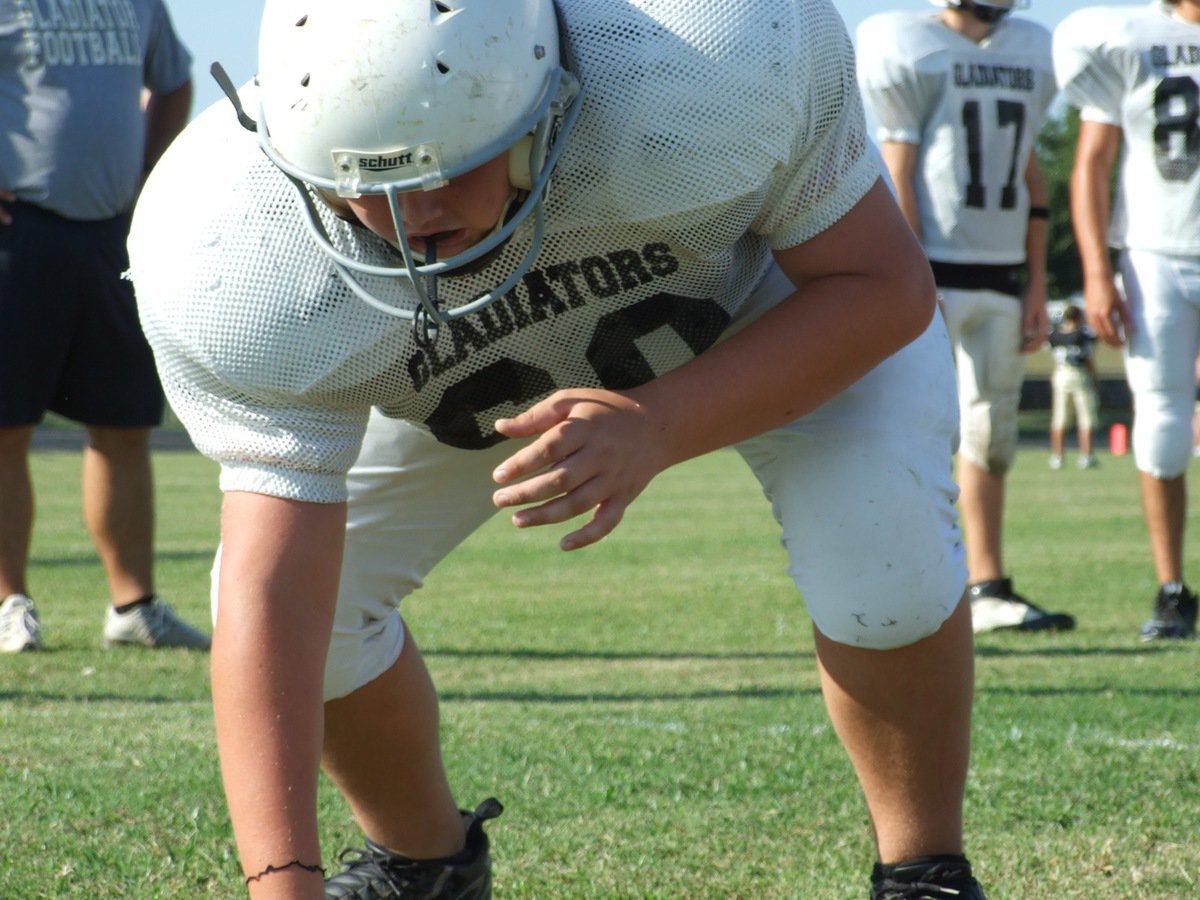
{"x": 1008, "y": 112}
{"x": 1176, "y": 109}
{"x": 612, "y": 352}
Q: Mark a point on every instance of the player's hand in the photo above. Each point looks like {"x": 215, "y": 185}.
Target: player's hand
{"x": 1035, "y": 321}
{"x": 1107, "y": 312}
{"x": 594, "y": 450}
{"x": 5, "y": 215}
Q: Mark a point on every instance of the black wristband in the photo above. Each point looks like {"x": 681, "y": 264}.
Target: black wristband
{"x": 272, "y": 869}
{"x": 1039, "y": 212}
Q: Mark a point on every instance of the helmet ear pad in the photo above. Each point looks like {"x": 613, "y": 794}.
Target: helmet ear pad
{"x": 519, "y": 163}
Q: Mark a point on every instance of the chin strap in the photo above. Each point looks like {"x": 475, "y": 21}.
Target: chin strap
{"x": 426, "y": 328}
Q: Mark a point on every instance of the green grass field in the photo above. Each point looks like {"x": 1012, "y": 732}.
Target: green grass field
{"x": 647, "y": 710}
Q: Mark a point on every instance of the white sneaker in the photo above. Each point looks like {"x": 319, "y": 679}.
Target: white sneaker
{"x": 1056, "y": 461}
{"x": 152, "y": 624}
{"x": 19, "y": 625}
{"x": 1088, "y": 462}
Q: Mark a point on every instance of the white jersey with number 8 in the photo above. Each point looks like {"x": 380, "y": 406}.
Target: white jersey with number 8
{"x": 1139, "y": 68}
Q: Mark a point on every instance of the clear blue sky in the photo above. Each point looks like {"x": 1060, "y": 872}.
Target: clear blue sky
{"x": 227, "y": 30}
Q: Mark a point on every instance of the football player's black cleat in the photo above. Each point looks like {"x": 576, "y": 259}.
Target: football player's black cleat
{"x": 1174, "y": 614}
{"x": 376, "y": 873}
{"x": 926, "y": 878}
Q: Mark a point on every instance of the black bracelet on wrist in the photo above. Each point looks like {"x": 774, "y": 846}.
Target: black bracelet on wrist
{"x": 1039, "y": 212}
{"x": 271, "y": 870}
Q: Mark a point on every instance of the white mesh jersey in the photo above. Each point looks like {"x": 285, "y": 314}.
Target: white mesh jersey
{"x": 710, "y": 134}
{"x": 974, "y": 110}
{"x": 1138, "y": 67}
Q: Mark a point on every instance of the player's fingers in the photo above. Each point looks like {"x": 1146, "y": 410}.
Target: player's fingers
{"x": 1110, "y": 333}
{"x": 561, "y": 508}
{"x": 540, "y": 417}
{"x": 555, "y": 482}
{"x": 551, "y": 448}
{"x": 608, "y": 516}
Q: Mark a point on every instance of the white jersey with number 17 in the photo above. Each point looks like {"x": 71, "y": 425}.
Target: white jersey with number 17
{"x": 1139, "y": 68}
{"x": 974, "y": 110}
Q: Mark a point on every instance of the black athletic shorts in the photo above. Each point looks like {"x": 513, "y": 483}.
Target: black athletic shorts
{"x": 70, "y": 340}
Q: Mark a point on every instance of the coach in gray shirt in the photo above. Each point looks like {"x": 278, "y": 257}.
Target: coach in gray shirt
{"x": 91, "y": 94}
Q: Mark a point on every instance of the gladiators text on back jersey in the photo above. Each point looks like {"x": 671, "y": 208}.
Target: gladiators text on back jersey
{"x": 1138, "y": 68}
{"x": 710, "y": 134}
{"x": 975, "y": 110}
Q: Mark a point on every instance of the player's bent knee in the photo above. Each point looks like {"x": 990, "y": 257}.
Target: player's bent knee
{"x": 886, "y": 626}
{"x": 989, "y": 440}
{"x": 360, "y": 655}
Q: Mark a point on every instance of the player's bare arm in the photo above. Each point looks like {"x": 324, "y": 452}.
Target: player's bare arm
{"x": 1035, "y": 319}
{"x": 901, "y": 160}
{"x": 1095, "y": 156}
{"x": 864, "y": 291}
{"x": 280, "y": 561}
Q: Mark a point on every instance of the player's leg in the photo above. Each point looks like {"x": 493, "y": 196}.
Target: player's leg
{"x": 394, "y": 782}
{"x": 990, "y": 371}
{"x": 412, "y": 500}
{"x": 1164, "y": 301}
{"x": 1058, "y": 415}
{"x": 1087, "y": 409}
{"x": 981, "y": 501}
{"x": 863, "y": 491}
{"x": 1164, "y": 505}
{"x": 903, "y": 716}
{"x": 978, "y": 501}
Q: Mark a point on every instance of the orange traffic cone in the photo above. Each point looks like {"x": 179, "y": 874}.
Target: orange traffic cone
{"x": 1118, "y": 439}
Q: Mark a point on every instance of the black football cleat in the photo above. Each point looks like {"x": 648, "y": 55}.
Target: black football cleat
{"x": 926, "y": 878}
{"x": 376, "y": 873}
{"x": 1174, "y": 615}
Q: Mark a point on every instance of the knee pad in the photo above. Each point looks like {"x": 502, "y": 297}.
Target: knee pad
{"x": 872, "y": 536}
{"x": 875, "y": 610}
{"x": 360, "y": 651}
{"x": 1162, "y": 432}
{"x": 366, "y": 640}
{"x": 989, "y": 434}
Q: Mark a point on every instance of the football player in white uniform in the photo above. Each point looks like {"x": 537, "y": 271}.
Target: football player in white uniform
{"x": 957, "y": 97}
{"x": 618, "y": 243}
{"x": 1134, "y": 73}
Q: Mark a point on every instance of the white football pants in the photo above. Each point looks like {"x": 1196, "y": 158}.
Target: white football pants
{"x": 1163, "y": 293}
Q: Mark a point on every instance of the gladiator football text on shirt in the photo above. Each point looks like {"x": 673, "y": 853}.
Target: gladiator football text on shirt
{"x": 81, "y": 33}
{"x": 1162, "y": 56}
{"x": 544, "y": 293}
{"x": 1018, "y": 78}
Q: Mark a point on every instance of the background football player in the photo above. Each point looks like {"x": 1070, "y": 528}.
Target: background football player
{"x": 1134, "y": 73}
{"x": 957, "y": 97}
{"x": 354, "y": 319}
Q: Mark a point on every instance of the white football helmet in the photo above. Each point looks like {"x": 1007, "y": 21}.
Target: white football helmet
{"x": 388, "y": 96}
{"x": 984, "y": 10}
